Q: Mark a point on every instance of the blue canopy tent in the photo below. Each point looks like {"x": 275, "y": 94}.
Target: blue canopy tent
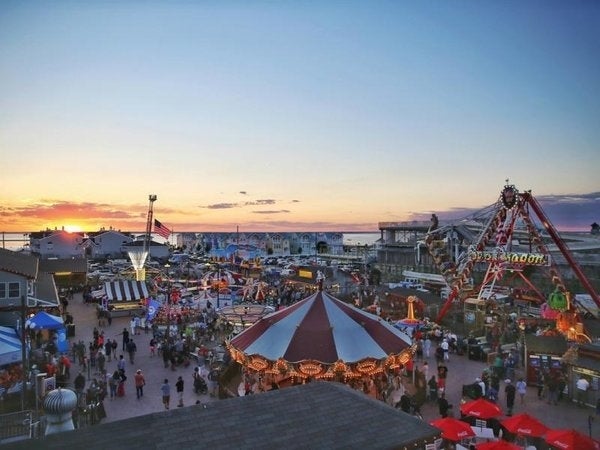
{"x": 10, "y": 346}
{"x": 44, "y": 321}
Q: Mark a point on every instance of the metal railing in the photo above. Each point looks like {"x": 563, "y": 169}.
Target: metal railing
{"x": 18, "y": 426}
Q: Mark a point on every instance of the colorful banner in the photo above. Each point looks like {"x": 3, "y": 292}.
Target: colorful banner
{"x": 153, "y": 306}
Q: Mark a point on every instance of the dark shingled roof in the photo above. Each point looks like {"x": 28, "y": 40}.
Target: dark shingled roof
{"x": 552, "y": 345}
{"x": 322, "y": 415}
{"x": 46, "y": 288}
{"x": 592, "y": 327}
{"x": 73, "y": 265}
{"x": 18, "y": 263}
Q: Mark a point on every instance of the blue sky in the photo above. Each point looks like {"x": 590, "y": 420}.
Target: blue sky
{"x": 295, "y": 115}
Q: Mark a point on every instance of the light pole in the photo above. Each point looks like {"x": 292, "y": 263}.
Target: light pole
{"x": 168, "y": 305}
{"x": 24, "y": 361}
{"x": 218, "y": 286}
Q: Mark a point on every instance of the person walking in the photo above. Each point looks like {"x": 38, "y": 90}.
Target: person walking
{"x": 108, "y": 349}
{"x": 443, "y": 405}
{"x": 425, "y": 370}
{"x": 113, "y": 382}
{"x": 166, "y": 354}
{"x": 121, "y": 383}
{"x": 132, "y": 326}
{"x": 433, "y": 389}
{"x": 125, "y": 334}
{"x": 166, "y": 393}
{"x": 198, "y": 382}
{"x": 131, "y": 349}
{"x": 509, "y": 391}
{"x": 79, "y": 383}
{"x": 521, "y": 390}
{"x": 446, "y": 349}
{"x": 138, "y": 325}
{"x": 140, "y": 382}
{"x": 539, "y": 382}
{"x": 481, "y": 385}
{"x": 121, "y": 364}
{"x": 582, "y": 385}
{"x": 101, "y": 360}
{"x": 179, "y": 388}
{"x": 427, "y": 346}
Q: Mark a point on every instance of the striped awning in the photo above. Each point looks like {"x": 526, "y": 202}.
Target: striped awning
{"x": 126, "y": 290}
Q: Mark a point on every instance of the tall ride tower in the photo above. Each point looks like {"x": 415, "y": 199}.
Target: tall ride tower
{"x": 138, "y": 257}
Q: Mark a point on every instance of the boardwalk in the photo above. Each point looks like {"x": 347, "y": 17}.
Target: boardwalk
{"x": 461, "y": 371}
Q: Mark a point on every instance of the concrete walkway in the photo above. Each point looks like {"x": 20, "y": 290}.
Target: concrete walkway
{"x": 461, "y": 371}
{"x": 152, "y": 367}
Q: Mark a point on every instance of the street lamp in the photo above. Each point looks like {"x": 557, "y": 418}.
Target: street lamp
{"x": 218, "y": 286}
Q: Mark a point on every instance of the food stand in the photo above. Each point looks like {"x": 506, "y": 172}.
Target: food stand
{"x": 543, "y": 353}
{"x": 126, "y": 297}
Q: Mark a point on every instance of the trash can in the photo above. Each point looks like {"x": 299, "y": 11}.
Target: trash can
{"x": 475, "y": 352}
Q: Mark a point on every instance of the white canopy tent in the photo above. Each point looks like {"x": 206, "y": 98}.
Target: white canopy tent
{"x": 126, "y": 290}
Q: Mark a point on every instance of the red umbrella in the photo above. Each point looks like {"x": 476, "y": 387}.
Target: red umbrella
{"x": 497, "y": 445}
{"x": 481, "y": 408}
{"x": 453, "y": 429}
{"x": 570, "y": 440}
{"x": 524, "y": 425}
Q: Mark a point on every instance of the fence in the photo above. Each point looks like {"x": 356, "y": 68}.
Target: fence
{"x": 19, "y": 426}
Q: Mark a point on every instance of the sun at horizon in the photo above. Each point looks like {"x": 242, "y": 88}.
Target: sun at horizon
{"x": 73, "y": 228}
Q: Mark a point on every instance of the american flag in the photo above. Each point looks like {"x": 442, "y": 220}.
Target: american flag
{"x": 161, "y": 230}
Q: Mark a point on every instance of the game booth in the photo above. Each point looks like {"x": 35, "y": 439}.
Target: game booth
{"x": 125, "y": 297}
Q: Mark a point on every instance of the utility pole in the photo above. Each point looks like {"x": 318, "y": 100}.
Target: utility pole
{"x": 23, "y": 352}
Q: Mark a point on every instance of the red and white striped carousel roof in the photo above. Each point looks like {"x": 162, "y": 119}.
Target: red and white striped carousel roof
{"x": 324, "y": 329}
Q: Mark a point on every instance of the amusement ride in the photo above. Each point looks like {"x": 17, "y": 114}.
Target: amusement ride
{"x": 510, "y": 245}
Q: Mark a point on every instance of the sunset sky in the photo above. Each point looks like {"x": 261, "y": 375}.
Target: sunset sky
{"x": 288, "y": 116}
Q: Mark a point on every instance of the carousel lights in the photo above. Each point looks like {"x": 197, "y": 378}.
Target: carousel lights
{"x": 281, "y": 366}
{"x": 339, "y": 367}
{"x": 258, "y": 364}
{"x": 368, "y": 367}
{"x": 404, "y": 358}
{"x": 310, "y": 368}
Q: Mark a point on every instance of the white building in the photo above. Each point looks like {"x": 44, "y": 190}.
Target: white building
{"x": 188, "y": 241}
{"x": 107, "y": 244}
{"x": 278, "y": 244}
{"x": 155, "y": 250}
{"x": 57, "y": 244}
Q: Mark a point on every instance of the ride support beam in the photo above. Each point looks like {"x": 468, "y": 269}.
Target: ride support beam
{"x": 446, "y": 306}
{"x": 561, "y": 246}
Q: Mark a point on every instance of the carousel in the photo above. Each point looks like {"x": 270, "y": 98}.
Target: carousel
{"x": 321, "y": 337}
{"x": 222, "y": 278}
